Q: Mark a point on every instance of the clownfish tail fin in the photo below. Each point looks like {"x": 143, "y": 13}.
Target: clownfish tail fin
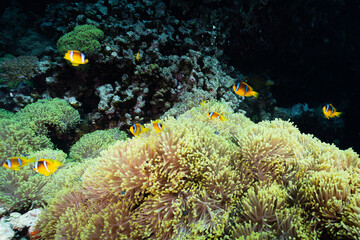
{"x": 30, "y": 160}
{"x": 57, "y": 162}
{"x": 255, "y": 94}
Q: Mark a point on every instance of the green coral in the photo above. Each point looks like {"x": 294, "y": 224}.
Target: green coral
{"x": 84, "y": 38}
{"x": 49, "y": 113}
{"x": 202, "y": 178}
{"x": 6, "y": 114}
{"x": 49, "y": 153}
{"x": 21, "y": 190}
{"x": 26, "y": 131}
{"x": 17, "y": 138}
{"x": 90, "y": 145}
{"x": 25, "y": 189}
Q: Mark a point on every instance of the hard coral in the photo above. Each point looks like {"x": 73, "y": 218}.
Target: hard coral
{"x": 17, "y": 70}
{"x": 84, "y": 38}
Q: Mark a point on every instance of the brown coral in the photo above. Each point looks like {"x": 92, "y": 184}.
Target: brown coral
{"x": 16, "y": 70}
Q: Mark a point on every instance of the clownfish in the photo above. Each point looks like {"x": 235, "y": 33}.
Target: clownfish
{"x": 46, "y": 166}
{"x": 243, "y": 89}
{"x": 136, "y": 129}
{"x": 137, "y": 56}
{"x": 158, "y": 126}
{"x": 330, "y": 112}
{"x": 15, "y": 163}
{"x": 214, "y": 115}
{"x": 75, "y": 57}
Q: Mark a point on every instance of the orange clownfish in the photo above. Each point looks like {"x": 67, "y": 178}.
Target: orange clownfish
{"x": 158, "y": 126}
{"x": 75, "y": 57}
{"x": 214, "y": 115}
{"x": 46, "y": 166}
{"x": 15, "y": 163}
{"x": 243, "y": 89}
{"x": 330, "y": 112}
{"x": 136, "y": 129}
{"x": 137, "y": 56}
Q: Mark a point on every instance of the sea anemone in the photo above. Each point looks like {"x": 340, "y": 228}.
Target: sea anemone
{"x": 91, "y": 144}
{"x": 271, "y": 149}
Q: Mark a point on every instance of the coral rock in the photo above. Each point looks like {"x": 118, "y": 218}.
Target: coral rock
{"x": 6, "y": 231}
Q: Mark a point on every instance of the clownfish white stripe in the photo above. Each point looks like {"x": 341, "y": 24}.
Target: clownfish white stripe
{"x": 71, "y": 55}
{"x": 45, "y": 165}
{"x": 82, "y": 57}
{"x": 8, "y": 162}
{"x": 237, "y": 86}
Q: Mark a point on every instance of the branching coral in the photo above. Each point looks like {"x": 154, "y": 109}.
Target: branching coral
{"x": 16, "y": 70}
{"x": 90, "y": 145}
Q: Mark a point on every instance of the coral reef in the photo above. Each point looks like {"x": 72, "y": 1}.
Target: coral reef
{"x": 202, "y": 178}
{"x": 84, "y": 38}
{"x": 29, "y": 129}
{"x": 48, "y": 153}
{"x": 16, "y": 139}
{"x": 199, "y": 178}
{"x": 21, "y": 190}
{"x": 158, "y": 182}
{"x": 49, "y": 113}
{"x": 18, "y": 70}
{"x": 25, "y": 189}
{"x": 125, "y": 89}
{"x": 91, "y": 144}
